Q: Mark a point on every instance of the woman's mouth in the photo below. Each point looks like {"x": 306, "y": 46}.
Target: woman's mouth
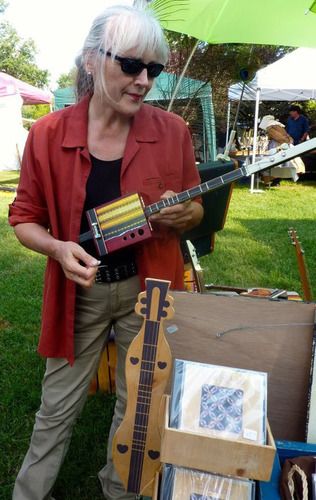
{"x": 135, "y": 97}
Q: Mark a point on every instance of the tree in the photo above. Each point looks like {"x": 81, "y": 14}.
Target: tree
{"x": 220, "y": 64}
{"x": 67, "y": 79}
{"x": 17, "y": 56}
{"x": 3, "y": 6}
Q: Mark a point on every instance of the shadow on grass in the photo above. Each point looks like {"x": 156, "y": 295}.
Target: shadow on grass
{"x": 264, "y": 253}
{"x": 13, "y": 181}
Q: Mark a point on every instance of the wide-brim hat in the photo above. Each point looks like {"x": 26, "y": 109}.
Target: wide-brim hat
{"x": 268, "y": 121}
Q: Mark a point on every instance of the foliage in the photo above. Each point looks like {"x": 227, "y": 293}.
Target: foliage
{"x": 3, "y": 6}
{"x": 309, "y": 108}
{"x": 17, "y": 56}
{"x": 67, "y": 79}
{"x": 220, "y": 64}
{"x": 33, "y": 112}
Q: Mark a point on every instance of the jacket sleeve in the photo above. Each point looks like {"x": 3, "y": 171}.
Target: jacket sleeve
{"x": 29, "y": 204}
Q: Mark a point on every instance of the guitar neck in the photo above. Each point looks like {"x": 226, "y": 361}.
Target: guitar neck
{"x": 307, "y": 291}
{"x": 228, "y": 178}
{"x": 143, "y": 404}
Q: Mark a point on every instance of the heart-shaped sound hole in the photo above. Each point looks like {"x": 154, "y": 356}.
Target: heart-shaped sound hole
{"x": 134, "y": 361}
{"x": 153, "y": 454}
{"x": 162, "y": 365}
{"x": 122, "y": 448}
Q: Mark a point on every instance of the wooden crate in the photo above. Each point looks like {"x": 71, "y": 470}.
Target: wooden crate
{"x": 221, "y": 456}
{"x": 156, "y": 486}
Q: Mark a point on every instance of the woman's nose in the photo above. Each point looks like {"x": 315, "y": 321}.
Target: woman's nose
{"x": 142, "y": 78}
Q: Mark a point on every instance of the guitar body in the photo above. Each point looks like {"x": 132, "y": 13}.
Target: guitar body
{"x": 119, "y": 223}
{"x": 136, "y": 444}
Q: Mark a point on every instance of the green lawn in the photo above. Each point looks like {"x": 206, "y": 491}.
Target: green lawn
{"x": 252, "y": 250}
{"x": 9, "y": 178}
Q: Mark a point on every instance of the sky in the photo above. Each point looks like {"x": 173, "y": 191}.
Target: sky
{"x": 58, "y": 28}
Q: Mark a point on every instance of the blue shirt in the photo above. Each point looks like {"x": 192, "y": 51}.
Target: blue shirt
{"x": 297, "y": 128}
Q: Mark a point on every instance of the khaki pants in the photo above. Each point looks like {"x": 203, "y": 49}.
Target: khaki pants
{"x": 65, "y": 388}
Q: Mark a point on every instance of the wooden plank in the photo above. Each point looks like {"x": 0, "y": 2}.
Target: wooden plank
{"x": 255, "y": 334}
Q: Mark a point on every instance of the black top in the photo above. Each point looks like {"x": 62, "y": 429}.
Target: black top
{"x": 103, "y": 185}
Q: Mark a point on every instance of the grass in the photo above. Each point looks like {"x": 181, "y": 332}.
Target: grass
{"x": 9, "y": 178}
{"x": 252, "y": 250}
{"x": 21, "y": 371}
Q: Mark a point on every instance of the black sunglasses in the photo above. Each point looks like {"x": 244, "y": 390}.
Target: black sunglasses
{"x": 132, "y": 66}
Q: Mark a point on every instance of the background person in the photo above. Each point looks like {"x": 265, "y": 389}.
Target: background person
{"x": 297, "y": 125}
{"x": 107, "y": 145}
{"x": 278, "y": 135}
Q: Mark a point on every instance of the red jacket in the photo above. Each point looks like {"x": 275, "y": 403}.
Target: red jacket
{"x": 55, "y": 168}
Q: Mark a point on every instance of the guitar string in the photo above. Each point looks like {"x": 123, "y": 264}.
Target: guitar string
{"x": 144, "y": 417}
{"x": 139, "y": 454}
{"x": 149, "y": 353}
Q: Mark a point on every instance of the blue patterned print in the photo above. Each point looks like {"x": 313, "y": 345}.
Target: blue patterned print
{"x": 221, "y": 408}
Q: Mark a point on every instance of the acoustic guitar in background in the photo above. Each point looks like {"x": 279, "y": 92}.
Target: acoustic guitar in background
{"x": 307, "y": 291}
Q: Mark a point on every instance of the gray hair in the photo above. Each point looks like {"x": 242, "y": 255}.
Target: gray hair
{"x": 118, "y": 29}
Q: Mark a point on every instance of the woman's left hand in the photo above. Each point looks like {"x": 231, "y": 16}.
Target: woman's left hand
{"x": 181, "y": 217}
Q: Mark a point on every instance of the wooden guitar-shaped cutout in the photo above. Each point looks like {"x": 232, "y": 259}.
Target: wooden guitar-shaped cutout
{"x": 301, "y": 265}
{"x": 136, "y": 444}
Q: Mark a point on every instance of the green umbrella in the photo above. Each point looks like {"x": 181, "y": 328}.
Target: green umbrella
{"x": 272, "y": 22}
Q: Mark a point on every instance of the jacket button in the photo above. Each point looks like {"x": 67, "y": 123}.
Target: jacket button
{"x": 160, "y": 185}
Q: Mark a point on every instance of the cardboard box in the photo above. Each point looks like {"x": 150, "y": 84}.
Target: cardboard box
{"x": 221, "y": 456}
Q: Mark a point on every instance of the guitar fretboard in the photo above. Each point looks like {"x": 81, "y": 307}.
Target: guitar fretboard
{"x": 143, "y": 405}
{"x": 196, "y": 191}
{"x": 265, "y": 163}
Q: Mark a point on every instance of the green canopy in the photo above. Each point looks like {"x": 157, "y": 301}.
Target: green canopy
{"x": 64, "y": 97}
{"x": 273, "y": 22}
{"x": 189, "y": 90}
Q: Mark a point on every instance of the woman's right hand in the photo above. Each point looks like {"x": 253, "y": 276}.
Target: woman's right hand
{"x": 77, "y": 264}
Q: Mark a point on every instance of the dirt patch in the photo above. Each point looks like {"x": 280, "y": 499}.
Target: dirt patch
{"x": 4, "y": 324}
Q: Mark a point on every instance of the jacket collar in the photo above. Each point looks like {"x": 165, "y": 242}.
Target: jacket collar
{"x": 76, "y": 125}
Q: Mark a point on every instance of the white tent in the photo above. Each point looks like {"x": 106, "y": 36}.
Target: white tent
{"x": 12, "y": 133}
{"x": 292, "y": 78}
{"x": 13, "y": 94}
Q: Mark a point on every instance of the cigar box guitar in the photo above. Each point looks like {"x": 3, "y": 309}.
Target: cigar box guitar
{"x": 124, "y": 221}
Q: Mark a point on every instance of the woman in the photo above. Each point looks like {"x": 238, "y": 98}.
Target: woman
{"x": 106, "y": 145}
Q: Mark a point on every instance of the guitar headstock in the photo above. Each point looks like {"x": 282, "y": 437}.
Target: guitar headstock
{"x": 155, "y": 304}
{"x": 295, "y": 239}
{"x": 293, "y": 235}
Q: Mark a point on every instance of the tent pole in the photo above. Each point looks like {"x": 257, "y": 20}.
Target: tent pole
{"x": 255, "y": 132}
{"x": 182, "y": 75}
{"x": 228, "y": 121}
